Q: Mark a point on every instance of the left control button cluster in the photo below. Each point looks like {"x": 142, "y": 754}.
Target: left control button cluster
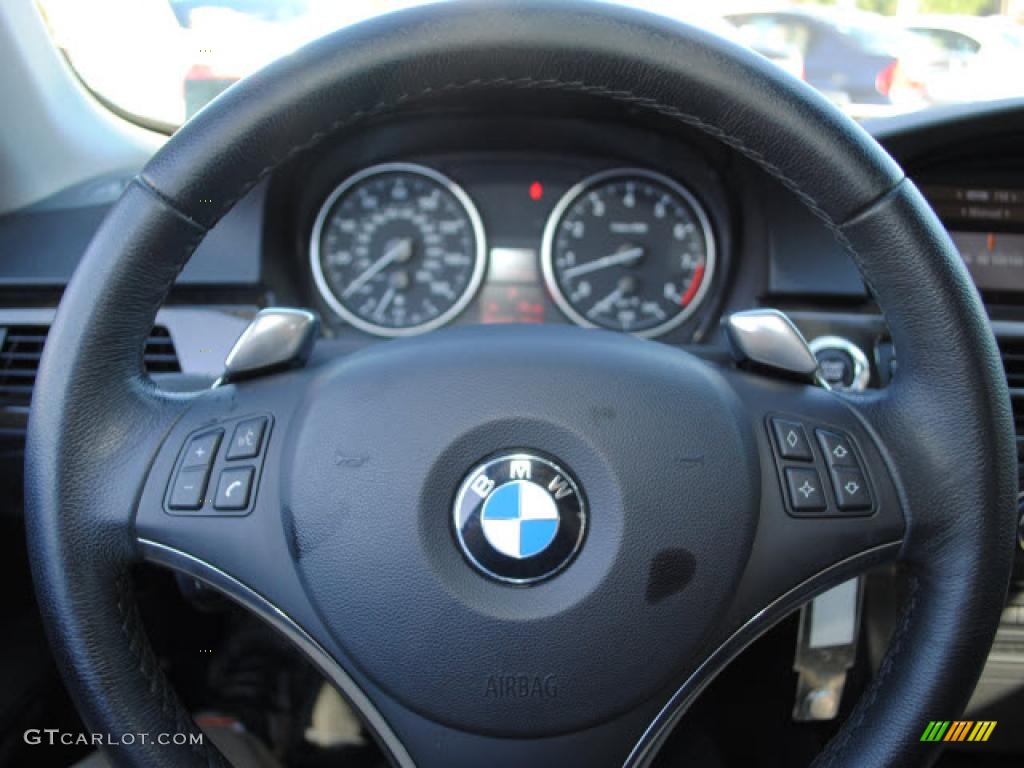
{"x": 212, "y": 477}
{"x": 193, "y": 476}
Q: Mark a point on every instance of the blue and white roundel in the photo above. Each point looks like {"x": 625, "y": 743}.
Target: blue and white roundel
{"x": 520, "y": 519}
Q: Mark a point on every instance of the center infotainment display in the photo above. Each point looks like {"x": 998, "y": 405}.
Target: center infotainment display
{"x": 987, "y": 227}
{"x": 995, "y": 260}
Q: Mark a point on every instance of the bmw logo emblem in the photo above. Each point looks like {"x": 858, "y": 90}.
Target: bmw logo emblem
{"x": 519, "y": 517}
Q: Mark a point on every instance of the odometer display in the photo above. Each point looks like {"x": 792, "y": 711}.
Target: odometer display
{"x": 398, "y": 249}
{"x": 629, "y": 250}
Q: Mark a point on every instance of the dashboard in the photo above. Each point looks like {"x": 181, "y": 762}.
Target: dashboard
{"x": 624, "y": 225}
{"x": 400, "y": 248}
{"x": 480, "y": 222}
{"x": 426, "y": 221}
{"x": 622, "y": 222}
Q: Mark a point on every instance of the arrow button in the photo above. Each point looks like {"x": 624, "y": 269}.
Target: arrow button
{"x": 837, "y": 449}
{"x": 852, "y": 493}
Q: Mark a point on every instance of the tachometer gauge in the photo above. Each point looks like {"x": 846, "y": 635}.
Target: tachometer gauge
{"x": 630, "y": 250}
{"x": 398, "y": 249}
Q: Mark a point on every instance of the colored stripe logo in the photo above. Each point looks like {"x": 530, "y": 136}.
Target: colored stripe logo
{"x": 958, "y": 730}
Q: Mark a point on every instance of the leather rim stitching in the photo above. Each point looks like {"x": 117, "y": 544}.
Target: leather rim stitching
{"x": 677, "y": 706}
{"x": 281, "y": 623}
{"x": 836, "y": 745}
{"x": 528, "y": 83}
{"x": 149, "y": 668}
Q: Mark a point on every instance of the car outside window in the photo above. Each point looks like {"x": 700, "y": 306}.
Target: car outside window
{"x": 161, "y": 61}
{"x": 952, "y": 43}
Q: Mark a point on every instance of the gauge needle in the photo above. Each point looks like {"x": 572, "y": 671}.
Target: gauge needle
{"x": 606, "y": 302}
{"x": 384, "y": 302}
{"x": 399, "y": 250}
{"x": 612, "y": 260}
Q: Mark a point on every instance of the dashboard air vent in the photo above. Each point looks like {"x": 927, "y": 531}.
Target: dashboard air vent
{"x": 160, "y": 356}
{"x": 22, "y": 345}
{"x": 1017, "y": 400}
{"x": 1012, "y": 351}
{"x": 19, "y": 360}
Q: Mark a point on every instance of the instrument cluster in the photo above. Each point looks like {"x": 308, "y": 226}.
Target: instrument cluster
{"x": 402, "y": 248}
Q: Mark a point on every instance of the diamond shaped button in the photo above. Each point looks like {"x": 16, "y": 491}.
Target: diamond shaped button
{"x": 791, "y": 440}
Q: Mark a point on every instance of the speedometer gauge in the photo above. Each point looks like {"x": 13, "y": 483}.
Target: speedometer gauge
{"x": 398, "y": 249}
{"x": 630, "y": 250}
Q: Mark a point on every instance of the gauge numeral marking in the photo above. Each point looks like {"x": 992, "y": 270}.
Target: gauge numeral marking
{"x": 397, "y": 249}
{"x": 629, "y": 250}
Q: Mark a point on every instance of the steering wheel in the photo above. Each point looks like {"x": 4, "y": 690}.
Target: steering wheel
{"x": 677, "y": 543}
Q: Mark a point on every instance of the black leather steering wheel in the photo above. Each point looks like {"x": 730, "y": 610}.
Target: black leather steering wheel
{"x": 689, "y": 551}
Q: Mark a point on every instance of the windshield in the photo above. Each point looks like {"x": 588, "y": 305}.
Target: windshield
{"x": 871, "y": 57}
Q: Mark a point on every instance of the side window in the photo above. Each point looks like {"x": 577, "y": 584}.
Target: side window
{"x": 949, "y": 42}
{"x": 773, "y": 32}
{"x": 958, "y": 43}
{"x": 798, "y": 35}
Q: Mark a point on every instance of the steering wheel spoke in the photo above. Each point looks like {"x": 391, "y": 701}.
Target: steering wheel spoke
{"x": 829, "y": 505}
{"x": 213, "y": 493}
{"x": 811, "y": 533}
{"x": 229, "y": 530}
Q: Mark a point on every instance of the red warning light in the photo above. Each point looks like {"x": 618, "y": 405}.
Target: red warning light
{"x": 536, "y": 191}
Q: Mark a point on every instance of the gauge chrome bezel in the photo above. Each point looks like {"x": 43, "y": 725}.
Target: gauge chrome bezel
{"x": 475, "y": 280}
{"x": 580, "y": 189}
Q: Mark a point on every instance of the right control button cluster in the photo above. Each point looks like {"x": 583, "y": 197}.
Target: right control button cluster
{"x": 820, "y": 477}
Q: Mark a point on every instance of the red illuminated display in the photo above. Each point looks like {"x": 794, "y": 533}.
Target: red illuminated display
{"x": 511, "y": 304}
